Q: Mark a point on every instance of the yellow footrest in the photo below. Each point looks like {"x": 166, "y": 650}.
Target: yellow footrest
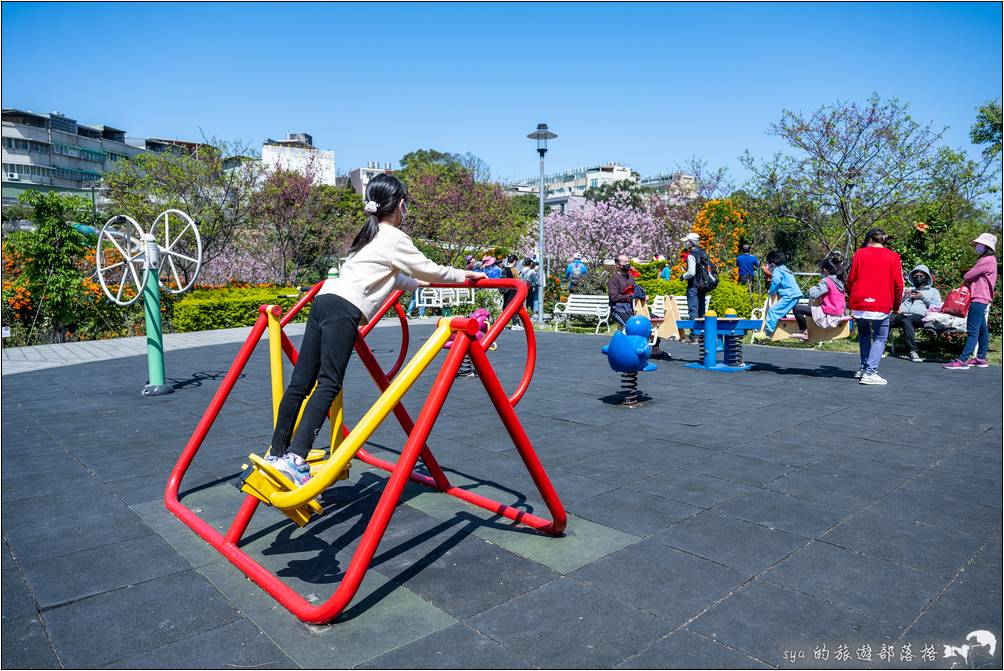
{"x": 316, "y": 459}
{"x": 261, "y": 479}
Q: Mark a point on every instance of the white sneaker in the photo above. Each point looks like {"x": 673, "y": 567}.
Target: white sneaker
{"x": 861, "y": 371}
{"x": 916, "y": 358}
{"x": 871, "y": 378}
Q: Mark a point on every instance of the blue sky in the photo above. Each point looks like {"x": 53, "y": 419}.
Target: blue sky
{"x": 645, "y": 84}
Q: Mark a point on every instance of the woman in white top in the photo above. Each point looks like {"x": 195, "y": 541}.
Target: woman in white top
{"x": 381, "y": 259}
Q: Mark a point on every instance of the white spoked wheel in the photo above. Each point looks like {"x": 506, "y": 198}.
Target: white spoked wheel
{"x": 119, "y": 259}
{"x": 177, "y": 236}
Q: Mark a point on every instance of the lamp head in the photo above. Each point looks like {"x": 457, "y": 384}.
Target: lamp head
{"x": 542, "y": 135}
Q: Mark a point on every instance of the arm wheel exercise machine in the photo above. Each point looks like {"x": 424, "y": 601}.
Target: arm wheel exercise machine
{"x": 262, "y": 483}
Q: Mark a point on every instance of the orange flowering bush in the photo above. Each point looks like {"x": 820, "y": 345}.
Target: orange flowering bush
{"x": 720, "y": 224}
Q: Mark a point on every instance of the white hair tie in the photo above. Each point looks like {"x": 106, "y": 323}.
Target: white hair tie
{"x": 371, "y": 206}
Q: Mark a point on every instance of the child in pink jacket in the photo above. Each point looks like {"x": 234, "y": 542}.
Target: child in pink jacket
{"x": 980, "y": 281}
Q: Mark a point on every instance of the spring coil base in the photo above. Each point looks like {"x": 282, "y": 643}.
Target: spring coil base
{"x": 466, "y": 369}
{"x": 629, "y": 389}
{"x": 733, "y": 351}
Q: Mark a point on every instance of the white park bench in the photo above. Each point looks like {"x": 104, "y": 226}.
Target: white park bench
{"x": 582, "y": 305}
{"x": 431, "y": 297}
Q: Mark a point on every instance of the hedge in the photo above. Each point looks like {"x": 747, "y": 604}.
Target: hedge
{"x": 210, "y": 309}
{"x": 726, "y": 295}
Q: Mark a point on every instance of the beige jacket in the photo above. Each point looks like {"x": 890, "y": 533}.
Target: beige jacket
{"x": 370, "y": 275}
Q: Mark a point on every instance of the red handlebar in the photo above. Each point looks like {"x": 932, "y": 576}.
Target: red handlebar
{"x": 515, "y": 307}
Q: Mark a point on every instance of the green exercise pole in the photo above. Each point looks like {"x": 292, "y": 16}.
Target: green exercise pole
{"x": 156, "y": 385}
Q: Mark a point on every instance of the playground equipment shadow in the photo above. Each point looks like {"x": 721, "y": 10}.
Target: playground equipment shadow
{"x": 734, "y": 518}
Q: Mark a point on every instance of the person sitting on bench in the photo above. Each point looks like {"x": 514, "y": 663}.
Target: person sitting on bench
{"x": 827, "y": 300}
{"x": 621, "y": 290}
{"x": 917, "y": 301}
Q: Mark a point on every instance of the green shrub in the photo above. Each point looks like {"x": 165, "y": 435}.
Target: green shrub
{"x": 209, "y": 309}
{"x": 655, "y": 287}
{"x": 726, "y": 295}
{"x": 735, "y": 296}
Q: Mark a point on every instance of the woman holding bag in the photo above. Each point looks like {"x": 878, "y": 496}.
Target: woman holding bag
{"x": 980, "y": 281}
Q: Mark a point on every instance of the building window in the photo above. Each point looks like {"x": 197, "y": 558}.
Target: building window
{"x": 79, "y": 152}
{"x": 77, "y": 175}
{"x": 26, "y": 170}
{"x": 19, "y": 144}
{"x": 113, "y": 157}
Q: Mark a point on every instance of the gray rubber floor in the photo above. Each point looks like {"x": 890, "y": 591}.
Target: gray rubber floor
{"x": 783, "y": 517}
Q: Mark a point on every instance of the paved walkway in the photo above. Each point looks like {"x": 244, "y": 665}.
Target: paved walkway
{"x": 785, "y": 517}
{"x": 38, "y": 357}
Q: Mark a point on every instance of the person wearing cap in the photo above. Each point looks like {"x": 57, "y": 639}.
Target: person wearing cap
{"x": 666, "y": 273}
{"x": 468, "y": 262}
{"x": 490, "y": 268}
{"x": 875, "y": 287}
{"x": 695, "y": 296}
{"x": 575, "y": 272}
{"x": 981, "y": 281}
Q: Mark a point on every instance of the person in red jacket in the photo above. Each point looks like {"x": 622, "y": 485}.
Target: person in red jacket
{"x": 874, "y": 285}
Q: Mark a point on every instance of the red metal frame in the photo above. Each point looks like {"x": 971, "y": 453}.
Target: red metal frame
{"x": 403, "y": 469}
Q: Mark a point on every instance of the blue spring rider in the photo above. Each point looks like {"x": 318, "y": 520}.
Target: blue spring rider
{"x": 628, "y": 353}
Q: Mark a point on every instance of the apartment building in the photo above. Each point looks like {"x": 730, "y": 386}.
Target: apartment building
{"x": 54, "y": 152}
{"x": 360, "y": 177}
{"x": 576, "y": 181}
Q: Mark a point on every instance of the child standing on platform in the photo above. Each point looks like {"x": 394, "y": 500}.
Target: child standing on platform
{"x": 380, "y": 261}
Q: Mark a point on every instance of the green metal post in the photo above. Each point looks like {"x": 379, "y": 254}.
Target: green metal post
{"x": 156, "y": 385}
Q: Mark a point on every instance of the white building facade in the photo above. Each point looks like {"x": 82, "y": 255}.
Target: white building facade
{"x": 360, "y": 178}
{"x": 575, "y": 182}
{"x": 297, "y": 152}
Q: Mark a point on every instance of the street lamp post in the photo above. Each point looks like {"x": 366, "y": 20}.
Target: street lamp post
{"x": 541, "y": 135}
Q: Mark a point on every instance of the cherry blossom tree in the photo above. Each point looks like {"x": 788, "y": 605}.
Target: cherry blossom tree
{"x": 605, "y": 229}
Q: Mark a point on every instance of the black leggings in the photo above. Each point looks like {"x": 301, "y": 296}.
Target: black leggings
{"x": 327, "y": 345}
{"x": 801, "y": 312}
{"x": 507, "y": 297}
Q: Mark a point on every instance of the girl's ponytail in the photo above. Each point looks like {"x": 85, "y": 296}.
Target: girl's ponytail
{"x": 383, "y": 195}
{"x": 365, "y": 234}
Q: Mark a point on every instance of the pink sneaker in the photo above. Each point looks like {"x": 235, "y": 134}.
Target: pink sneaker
{"x": 958, "y": 364}
{"x": 978, "y": 363}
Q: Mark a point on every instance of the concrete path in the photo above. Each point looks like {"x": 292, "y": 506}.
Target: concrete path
{"x": 38, "y": 357}
{"x": 784, "y": 517}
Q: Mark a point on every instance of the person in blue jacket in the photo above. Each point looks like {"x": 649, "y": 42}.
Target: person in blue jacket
{"x": 575, "y": 272}
{"x": 782, "y": 285}
{"x": 747, "y": 264}
{"x": 667, "y": 272}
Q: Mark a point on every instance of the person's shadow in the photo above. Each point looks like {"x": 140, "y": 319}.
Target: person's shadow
{"x": 825, "y": 371}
